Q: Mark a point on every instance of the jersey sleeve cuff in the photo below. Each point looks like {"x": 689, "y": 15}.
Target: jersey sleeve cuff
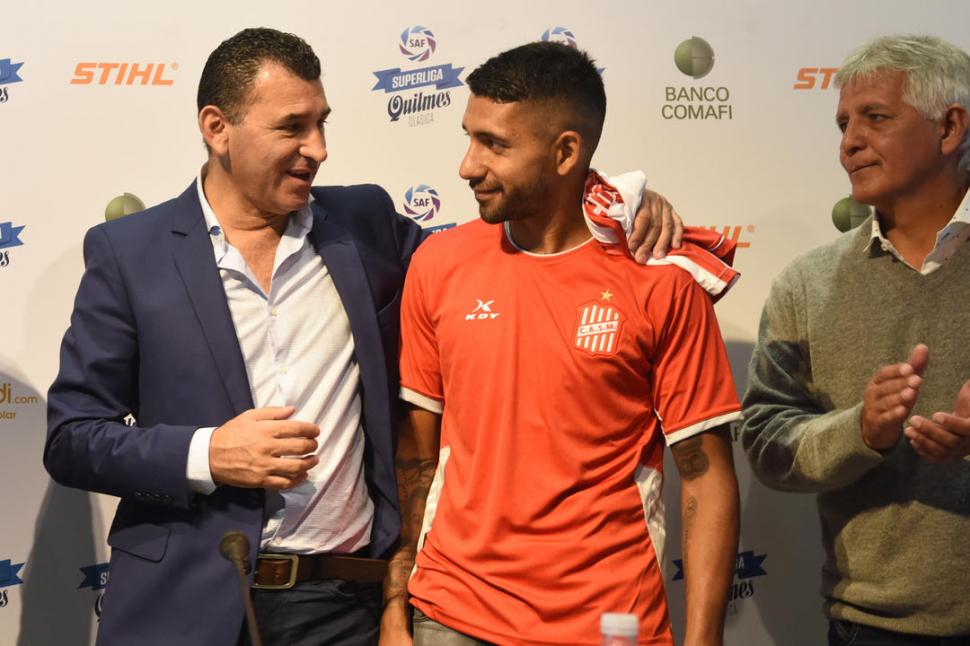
{"x": 421, "y": 401}
{"x": 700, "y": 427}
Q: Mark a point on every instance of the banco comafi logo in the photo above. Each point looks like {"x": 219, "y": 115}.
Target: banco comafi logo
{"x": 421, "y": 202}
{"x": 417, "y": 43}
{"x": 124, "y": 204}
{"x": 559, "y": 35}
{"x": 8, "y": 76}
{"x": 417, "y": 93}
{"x": 694, "y": 57}
{"x": 848, "y": 214}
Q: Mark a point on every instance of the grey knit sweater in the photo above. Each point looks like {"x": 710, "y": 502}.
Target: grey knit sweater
{"x": 896, "y": 530}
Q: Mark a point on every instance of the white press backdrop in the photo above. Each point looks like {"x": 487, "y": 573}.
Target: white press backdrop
{"x": 762, "y": 165}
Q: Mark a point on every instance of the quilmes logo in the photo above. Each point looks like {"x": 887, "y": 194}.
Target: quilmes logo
{"x": 417, "y": 93}
{"x": 8, "y": 76}
{"x": 421, "y": 202}
{"x": 9, "y": 238}
{"x": 748, "y": 566}
{"x": 848, "y": 214}
{"x": 95, "y": 578}
{"x": 735, "y": 232}
{"x": 559, "y": 35}
{"x": 810, "y": 78}
{"x": 124, "y": 74}
{"x": 8, "y": 577}
{"x": 10, "y": 399}
{"x": 694, "y": 57}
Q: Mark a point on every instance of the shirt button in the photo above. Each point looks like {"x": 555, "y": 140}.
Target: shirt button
{"x": 283, "y": 371}
{"x": 275, "y": 311}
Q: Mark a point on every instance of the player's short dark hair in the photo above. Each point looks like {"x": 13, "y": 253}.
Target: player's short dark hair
{"x": 228, "y": 75}
{"x": 546, "y": 71}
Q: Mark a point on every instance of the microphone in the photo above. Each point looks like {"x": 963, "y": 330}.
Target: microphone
{"x": 234, "y": 547}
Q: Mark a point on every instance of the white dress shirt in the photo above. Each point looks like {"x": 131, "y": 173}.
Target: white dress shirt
{"x": 299, "y": 351}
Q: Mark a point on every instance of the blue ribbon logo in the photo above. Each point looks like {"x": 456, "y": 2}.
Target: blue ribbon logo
{"x": 9, "y": 235}
{"x": 748, "y": 566}
{"x": 396, "y": 80}
{"x": 8, "y": 71}
{"x": 95, "y": 576}
{"x": 8, "y": 573}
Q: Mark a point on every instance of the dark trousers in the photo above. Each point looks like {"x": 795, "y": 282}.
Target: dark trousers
{"x": 318, "y": 613}
{"x": 846, "y": 633}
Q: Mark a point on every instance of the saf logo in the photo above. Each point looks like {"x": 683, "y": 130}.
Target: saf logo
{"x": 421, "y": 202}
{"x": 417, "y": 43}
{"x": 559, "y": 35}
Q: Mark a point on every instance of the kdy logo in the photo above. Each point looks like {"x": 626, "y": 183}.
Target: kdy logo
{"x": 8, "y": 577}
{"x": 417, "y": 93}
{"x": 9, "y": 238}
{"x": 421, "y": 202}
{"x": 695, "y": 58}
{"x": 96, "y": 578}
{"x": 8, "y": 76}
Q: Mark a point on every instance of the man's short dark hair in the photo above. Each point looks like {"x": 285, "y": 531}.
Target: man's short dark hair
{"x": 545, "y": 71}
{"x": 229, "y": 73}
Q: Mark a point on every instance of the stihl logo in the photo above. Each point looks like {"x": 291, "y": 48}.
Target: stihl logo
{"x": 123, "y": 74}
{"x": 734, "y": 233}
{"x": 807, "y": 78}
{"x": 482, "y": 311}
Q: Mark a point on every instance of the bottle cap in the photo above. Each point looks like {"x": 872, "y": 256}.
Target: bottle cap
{"x": 619, "y": 624}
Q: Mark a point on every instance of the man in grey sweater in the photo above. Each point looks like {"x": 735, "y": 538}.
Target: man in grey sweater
{"x": 828, "y": 408}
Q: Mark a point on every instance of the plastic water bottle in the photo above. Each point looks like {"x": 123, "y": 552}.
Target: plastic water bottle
{"x": 619, "y": 629}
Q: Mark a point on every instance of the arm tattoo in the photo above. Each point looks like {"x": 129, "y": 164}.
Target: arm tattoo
{"x": 689, "y": 515}
{"x": 414, "y": 478}
{"x": 691, "y": 460}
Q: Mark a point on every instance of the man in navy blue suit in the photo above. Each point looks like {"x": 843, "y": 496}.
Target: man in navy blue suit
{"x": 237, "y": 322}
{"x": 250, "y": 325}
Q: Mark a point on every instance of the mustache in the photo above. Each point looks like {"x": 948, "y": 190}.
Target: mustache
{"x": 480, "y": 185}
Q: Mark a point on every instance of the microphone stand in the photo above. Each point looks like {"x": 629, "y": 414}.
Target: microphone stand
{"x": 234, "y": 546}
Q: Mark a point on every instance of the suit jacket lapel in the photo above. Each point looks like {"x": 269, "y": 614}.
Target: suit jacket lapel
{"x": 196, "y": 265}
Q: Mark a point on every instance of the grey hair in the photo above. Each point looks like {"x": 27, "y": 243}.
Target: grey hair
{"x": 937, "y": 74}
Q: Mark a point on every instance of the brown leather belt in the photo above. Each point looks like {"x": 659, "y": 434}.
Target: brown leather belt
{"x": 283, "y": 571}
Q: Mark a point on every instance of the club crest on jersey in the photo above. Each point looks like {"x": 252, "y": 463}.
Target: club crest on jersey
{"x": 598, "y": 328}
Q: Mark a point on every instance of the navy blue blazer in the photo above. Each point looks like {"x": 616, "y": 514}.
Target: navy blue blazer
{"x": 151, "y": 334}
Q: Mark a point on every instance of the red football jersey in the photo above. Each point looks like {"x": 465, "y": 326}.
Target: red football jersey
{"x": 559, "y": 378}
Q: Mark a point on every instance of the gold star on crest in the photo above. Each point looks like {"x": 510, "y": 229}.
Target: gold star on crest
{"x": 606, "y": 296}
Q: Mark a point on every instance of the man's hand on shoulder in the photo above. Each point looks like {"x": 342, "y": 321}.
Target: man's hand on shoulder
{"x": 657, "y": 228}
{"x": 262, "y": 447}
{"x": 889, "y": 398}
{"x": 945, "y": 436}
